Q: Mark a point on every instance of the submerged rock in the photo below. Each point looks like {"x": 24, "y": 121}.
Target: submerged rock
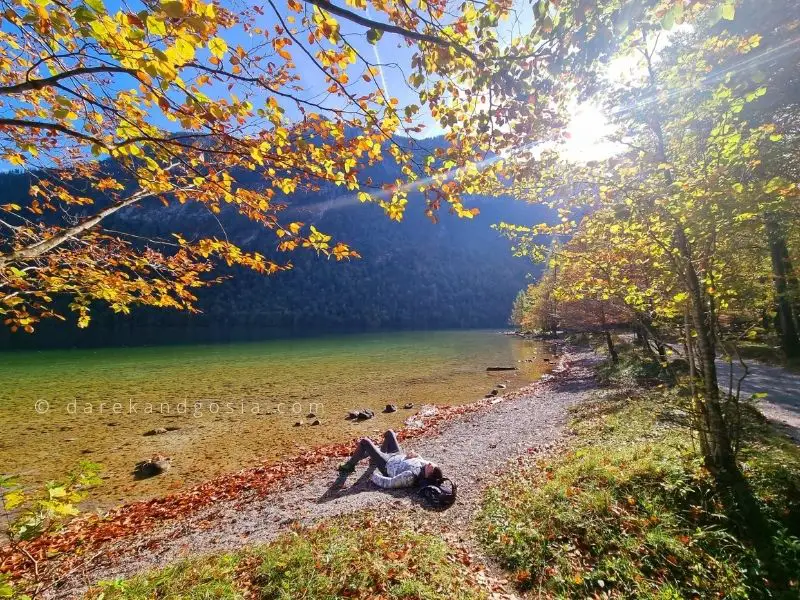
{"x": 316, "y": 422}
{"x": 390, "y": 408}
{"x": 408, "y": 405}
{"x": 298, "y": 423}
{"x": 156, "y": 465}
{"x": 501, "y": 386}
{"x": 156, "y": 431}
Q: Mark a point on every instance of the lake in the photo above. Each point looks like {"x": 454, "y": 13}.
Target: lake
{"x": 232, "y": 405}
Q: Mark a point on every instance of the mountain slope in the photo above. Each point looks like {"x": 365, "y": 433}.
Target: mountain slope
{"x": 413, "y": 275}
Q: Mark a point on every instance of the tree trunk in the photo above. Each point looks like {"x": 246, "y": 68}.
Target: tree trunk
{"x": 611, "y": 350}
{"x": 781, "y": 274}
{"x": 719, "y": 455}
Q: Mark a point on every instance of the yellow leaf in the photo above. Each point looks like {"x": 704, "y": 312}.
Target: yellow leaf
{"x": 13, "y": 499}
{"x": 174, "y": 9}
{"x": 218, "y": 47}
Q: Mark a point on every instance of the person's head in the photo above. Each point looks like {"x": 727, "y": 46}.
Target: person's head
{"x": 432, "y": 473}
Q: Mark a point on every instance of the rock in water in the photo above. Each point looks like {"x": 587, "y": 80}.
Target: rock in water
{"x": 501, "y": 368}
{"x": 492, "y": 393}
{"x": 156, "y": 465}
{"x": 298, "y": 423}
{"x": 501, "y": 386}
{"x": 353, "y": 414}
{"x": 316, "y": 422}
{"x": 390, "y": 408}
{"x": 409, "y": 405}
{"x": 156, "y": 431}
{"x": 365, "y": 414}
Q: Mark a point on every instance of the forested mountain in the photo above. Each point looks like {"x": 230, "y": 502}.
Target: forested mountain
{"x": 457, "y": 273}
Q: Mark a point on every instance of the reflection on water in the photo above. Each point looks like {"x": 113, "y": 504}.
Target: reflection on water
{"x": 231, "y": 406}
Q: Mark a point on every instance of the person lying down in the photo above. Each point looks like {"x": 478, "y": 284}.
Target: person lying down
{"x": 394, "y": 467}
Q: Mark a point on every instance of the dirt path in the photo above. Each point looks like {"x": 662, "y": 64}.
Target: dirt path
{"x": 470, "y": 449}
{"x": 782, "y": 403}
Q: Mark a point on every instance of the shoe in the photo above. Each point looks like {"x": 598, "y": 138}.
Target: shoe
{"x": 346, "y": 468}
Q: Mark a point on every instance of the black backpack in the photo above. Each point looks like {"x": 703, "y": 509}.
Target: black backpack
{"x": 442, "y": 494}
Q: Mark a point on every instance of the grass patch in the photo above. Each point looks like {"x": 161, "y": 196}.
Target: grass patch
{"x": 767, "y": 352}
{"x": 356, "y": 557}
{"x": 630, "y": 512}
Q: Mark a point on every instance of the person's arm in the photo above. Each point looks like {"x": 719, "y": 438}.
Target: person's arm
{"x": 402, "y": 480}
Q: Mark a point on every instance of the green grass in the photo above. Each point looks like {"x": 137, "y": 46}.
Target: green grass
{"x": 767, "y": 352}
{"x": 630, "y": 512}
{"x": 358, "y": 557}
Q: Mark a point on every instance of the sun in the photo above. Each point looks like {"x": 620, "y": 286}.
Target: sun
{"x": 589, "y": 134}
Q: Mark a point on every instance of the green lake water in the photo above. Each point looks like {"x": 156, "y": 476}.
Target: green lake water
{"x": 235, "y": 405}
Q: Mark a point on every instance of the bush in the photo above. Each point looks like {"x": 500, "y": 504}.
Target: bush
{"x": 632, "y": 369}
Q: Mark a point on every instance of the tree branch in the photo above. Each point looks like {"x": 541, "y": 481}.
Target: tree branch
{"x": 39, "y": 248}
{"x": 389, "y": 28}
{"x": 38, "y": 84}
{"x": 51, "y": 126}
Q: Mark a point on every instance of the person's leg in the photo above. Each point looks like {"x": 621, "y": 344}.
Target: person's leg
{"x": 390, "y": 443}
{"x": 366, "y": 449}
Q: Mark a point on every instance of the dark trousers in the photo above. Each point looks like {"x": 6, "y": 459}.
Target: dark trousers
{"x": 378, "y": 456}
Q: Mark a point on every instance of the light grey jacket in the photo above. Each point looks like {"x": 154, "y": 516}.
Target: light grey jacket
{"x": 402, "y": 472}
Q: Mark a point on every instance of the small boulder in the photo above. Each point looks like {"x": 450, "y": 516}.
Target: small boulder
{"x": 390, "y": 408}
{"x": 492, "y": 393}
{"x": 156, "y": 431}
{"x": 353, "y": 414}
{"x": 408, "y": 405}
{"x": 311, "y": 416}
{"x": 365, "y": 414}
{"x": 298, "y": 423}
{"x": 156, "y": 465}
{"x": 501, "y": 386}
{"x": 316, "y": 422}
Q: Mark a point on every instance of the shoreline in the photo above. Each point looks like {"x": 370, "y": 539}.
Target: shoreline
{"x": 132, "y": 524}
